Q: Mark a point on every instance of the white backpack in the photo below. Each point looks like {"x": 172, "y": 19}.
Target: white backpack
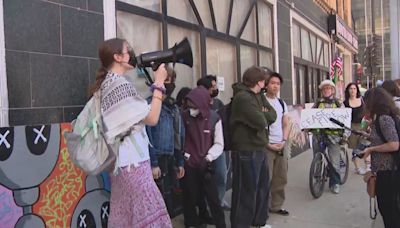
{"x": 86, "y": 144}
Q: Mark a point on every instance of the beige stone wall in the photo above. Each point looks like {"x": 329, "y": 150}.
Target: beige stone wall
{"x": 342, "y": 7}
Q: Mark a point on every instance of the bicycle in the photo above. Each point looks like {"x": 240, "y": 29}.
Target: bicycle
{"x": 321, "y": 163}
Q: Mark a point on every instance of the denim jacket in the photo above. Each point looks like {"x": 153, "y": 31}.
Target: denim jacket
{"x": 167, "y": 136}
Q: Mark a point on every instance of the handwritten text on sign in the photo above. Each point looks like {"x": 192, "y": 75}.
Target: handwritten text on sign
{"x": 319, "y": 118}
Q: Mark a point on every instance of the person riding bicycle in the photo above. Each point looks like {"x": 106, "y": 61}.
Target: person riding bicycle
{"x": 331, "y": 137}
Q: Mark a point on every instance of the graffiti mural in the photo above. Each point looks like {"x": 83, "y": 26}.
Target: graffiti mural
{"x": 9, "y": 211}
{"x": 39, "y": 185}
{"x": 298, "y": 141}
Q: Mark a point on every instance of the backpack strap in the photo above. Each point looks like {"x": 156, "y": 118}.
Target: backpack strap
{"x": 283, "y": 105}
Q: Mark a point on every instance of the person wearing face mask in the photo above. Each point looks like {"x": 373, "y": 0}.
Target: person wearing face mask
{"x": 135, "y": 199}
{"x": 204, "y": 142}
{"x": 210, "y": 83}
{"x": 250, "y": 115}
{"x": 166, "y": 139}
{"x": 334, "y": 136}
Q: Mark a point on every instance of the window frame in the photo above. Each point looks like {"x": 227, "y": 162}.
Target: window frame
{"x": 205, "y": 32}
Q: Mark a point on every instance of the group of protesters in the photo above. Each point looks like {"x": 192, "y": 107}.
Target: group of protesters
{"x": 193, "y": 140}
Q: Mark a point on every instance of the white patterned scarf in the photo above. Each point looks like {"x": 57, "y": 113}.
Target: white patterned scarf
{"x": 122, "y": 108}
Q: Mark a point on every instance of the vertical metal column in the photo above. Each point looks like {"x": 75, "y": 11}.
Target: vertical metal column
{"x": 394, "y": 38}
{"x": 383, "y": 43}
{"x": 373, "y": 74}
{"x": 3, "y": 74}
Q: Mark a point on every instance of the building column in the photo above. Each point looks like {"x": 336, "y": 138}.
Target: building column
{"x": 110, "y": 22}
{"x": 395, "y": 37}
{"x": 3, "y": 74}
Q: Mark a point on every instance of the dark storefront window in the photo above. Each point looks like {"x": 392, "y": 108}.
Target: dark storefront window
{"x": 311, "y": 61}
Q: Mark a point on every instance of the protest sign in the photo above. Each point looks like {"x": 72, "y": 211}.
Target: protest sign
{"x": 319, "y": 118}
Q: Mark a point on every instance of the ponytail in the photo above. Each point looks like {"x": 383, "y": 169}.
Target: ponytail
{"x": 100, "y": 76}
{"x": 106, "y": 55}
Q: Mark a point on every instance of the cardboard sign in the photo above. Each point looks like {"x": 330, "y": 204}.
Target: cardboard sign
{"x": 319, "y": 118}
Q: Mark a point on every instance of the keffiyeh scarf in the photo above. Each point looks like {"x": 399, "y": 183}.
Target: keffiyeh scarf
{"x": 122, "y": 108}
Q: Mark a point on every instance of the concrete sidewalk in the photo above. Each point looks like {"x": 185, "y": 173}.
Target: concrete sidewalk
{"x": 349, "y": 209}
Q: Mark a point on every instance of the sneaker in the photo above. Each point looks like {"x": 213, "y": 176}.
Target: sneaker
{"x": 281, "y": 212}
{"x": 361, "y": 171}
{"x": 335, "y": 189}
{"x": 266, "y": 226}
{"x": 225, "y": 206}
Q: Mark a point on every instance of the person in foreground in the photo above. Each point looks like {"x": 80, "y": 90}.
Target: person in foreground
{"x": 384, "y": 151}
{"x": 354, "y": 100}
{"x": 333, "y": 136}
{"x": 278, "y": 134}
{"x": 250, "y": 115}
{"x": 166, "y": 139}
{"x": 135, "y": 199}
{"x": 204, "y": 143}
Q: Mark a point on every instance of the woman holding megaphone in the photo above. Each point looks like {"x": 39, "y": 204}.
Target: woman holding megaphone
{"x": 135, "y": 199}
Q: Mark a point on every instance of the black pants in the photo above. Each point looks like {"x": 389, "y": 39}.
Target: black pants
{"x": 195, "y": 183}
{"x": 250, "y": 189}
{"x": 167, "y": 182}
{"x": 387, "y": 192}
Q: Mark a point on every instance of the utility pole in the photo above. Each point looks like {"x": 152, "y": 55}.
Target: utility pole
{"x": 366, "y": 41}
{"x": 373, "y": 50}
{"x": 382, "y": 43}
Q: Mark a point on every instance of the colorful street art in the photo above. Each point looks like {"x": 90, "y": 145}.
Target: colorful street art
{"x": 39, "y": 185}
{"x": 9, "y": 211}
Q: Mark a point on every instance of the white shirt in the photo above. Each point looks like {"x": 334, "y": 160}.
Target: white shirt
{"x": 134, "y": 149}
{"x": 218, "y": 147}
{"x": 276, "y": 129}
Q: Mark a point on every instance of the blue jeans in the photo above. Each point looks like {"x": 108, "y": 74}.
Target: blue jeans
{"x": 220, "y": 175}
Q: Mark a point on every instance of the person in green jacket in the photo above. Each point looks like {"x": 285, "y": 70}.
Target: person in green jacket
{"x": 251, "y": 114}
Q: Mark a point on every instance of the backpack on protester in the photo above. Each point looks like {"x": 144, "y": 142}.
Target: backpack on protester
{"x": 225, "y": 113}
{"x": 214, "y": 118}
{"x": 86, "y": 143}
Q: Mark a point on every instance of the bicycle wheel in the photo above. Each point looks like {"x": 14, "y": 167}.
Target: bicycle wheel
{"x": 344, "y": 165}
{"x": 317, "y": 176}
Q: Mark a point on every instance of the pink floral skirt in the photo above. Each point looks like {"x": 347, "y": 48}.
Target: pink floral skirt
{"x": 136, "y": 201}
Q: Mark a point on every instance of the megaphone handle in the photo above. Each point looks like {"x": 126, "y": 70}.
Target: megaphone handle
{"x": 154, "y": 66}
{"x": 149, "y": 80}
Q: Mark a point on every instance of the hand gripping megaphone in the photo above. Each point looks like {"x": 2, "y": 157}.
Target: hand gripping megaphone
{"x": 179, "y": 53}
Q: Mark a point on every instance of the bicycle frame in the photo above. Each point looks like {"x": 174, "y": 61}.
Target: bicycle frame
{"x": 323, "y": 144}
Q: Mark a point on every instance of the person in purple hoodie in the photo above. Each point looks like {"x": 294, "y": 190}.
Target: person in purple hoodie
{"x": 204, "y": 142}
